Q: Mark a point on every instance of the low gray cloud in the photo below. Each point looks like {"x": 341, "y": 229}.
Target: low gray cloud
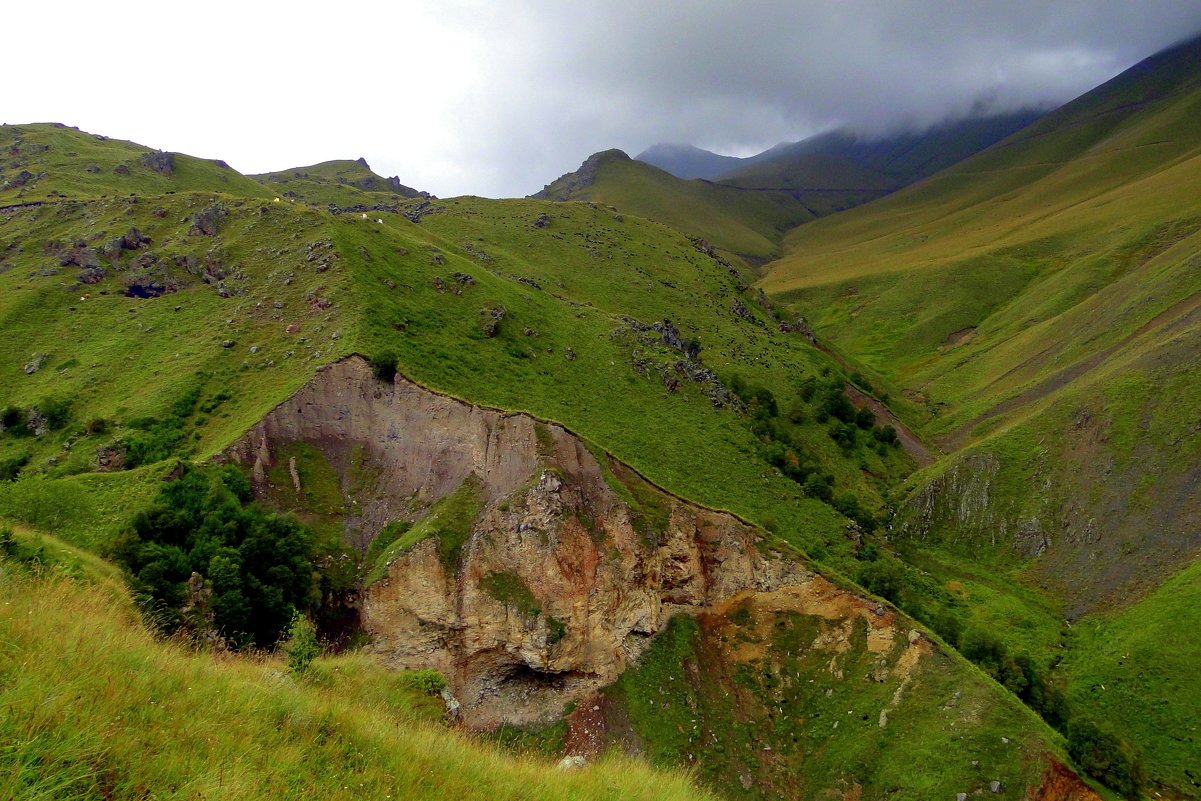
{"x": 739, "y": 77}
{"x": 475, "y": 96}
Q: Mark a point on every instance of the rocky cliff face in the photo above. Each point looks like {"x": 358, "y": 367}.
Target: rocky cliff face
{"x": 565, "y": 567}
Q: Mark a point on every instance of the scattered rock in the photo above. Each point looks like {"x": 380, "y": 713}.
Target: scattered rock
{"x": 92, "y": 275}
{"x": 121, "y": 169}
{"x": 439, "y": 284}
{"x": 134, "y": 239}
{"x": 293, "y": 328}
{"x": 574, "y": 762}
{"x": 36, "y": 363}
{"x": 542, "y": 221}
{"x": 93, "y": 168}
{"x": 160, "y": 161}
{"x": 569, "y": 354}
{"x": 110, "y": 458}
{"x": 453, "y": 707}
{"x": 740, "y": 310}
{"x": 207, "y": 221}
{"x": 994, "y": 786}
{"x": 227, "y": 344}
{"x": 490, "y": 319}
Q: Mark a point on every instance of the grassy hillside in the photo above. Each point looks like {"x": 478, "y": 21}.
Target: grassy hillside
{"x": 138, "y": 331}
{"x": 745, "y": 223}
{"x": 49, "y": 160}
{"x": 341, "y": 184}
{"x": 96, "y": 707}
{"x": 1038, "y": 307}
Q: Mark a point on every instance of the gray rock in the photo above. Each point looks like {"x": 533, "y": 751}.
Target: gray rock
{"x": 36, "y": 363}
{"x": 159, "y": 161}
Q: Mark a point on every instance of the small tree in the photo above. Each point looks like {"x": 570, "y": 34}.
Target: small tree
{"x": 302, "y": 647}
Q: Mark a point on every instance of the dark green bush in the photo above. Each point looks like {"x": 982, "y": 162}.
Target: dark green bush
{"x": 57, "y": 412}
{"x": 383, "y": 365}
{"x": 10, "y": 467}
{"x": 160, "y": 439}
{"x": 15, "y": 422}
{"x": 884, "y": 577}
{"x": 1105, "y": 757}
{"x": 259, "y": 566}
{"x": 865, "y": 418}
{"x": 886, "y": 434}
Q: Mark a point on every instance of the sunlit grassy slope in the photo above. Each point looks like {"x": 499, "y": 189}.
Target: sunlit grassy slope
{"x": 746, "y": 223}
{"x": 95, "y": 707}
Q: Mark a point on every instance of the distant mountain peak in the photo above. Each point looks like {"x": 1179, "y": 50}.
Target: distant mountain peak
{"x": 687, "y": 161}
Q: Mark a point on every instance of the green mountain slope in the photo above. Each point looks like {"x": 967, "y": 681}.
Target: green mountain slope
{"x": 747, "y": 224}
{"x": 1037, "y": 306}
{"x": 133, "y": 348}
{"x": 49, "y": 160}
{"x": 341, "y": 184}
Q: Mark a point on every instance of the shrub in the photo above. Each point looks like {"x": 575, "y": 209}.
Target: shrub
{"x": 884, "y": 577}
{"x": 865, "y": 418}
{"x": 430, "y": 682}
{"x": 1105, "y": 757}
{"x": 383, "y": 365}
{"x": 302, "y": 647}
{"x": 10, "y": 467}
{"x": 57, "y": 412}
{"x": 836, "y": 404}
{"x": 15, "y": 422}
{"x": 95, "y": 426}
{"x": 886, "y": 434}
{"x": 259, "y": 566}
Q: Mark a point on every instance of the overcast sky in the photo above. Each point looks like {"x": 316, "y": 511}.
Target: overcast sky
{"x": 498, "y": 98}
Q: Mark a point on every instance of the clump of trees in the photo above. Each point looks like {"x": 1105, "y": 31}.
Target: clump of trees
{"x": 827, "y": 404}
{"x": 202, "y": 557}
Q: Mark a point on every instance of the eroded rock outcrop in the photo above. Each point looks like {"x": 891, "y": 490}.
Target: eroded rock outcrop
{"x": 569, "y": 566}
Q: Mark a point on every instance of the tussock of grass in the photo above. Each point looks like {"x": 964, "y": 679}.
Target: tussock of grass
{"x": 94, "y": 707}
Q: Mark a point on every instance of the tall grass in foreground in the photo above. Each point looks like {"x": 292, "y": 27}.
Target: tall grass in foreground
{"x": 92, "y": 706}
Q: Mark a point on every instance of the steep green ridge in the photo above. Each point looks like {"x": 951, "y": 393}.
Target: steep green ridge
{"x": 341, "y": 184}
{"x": 748, "y": 224}
{"x": 1038, "y": 307}
{"x": 94, "y": 706}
